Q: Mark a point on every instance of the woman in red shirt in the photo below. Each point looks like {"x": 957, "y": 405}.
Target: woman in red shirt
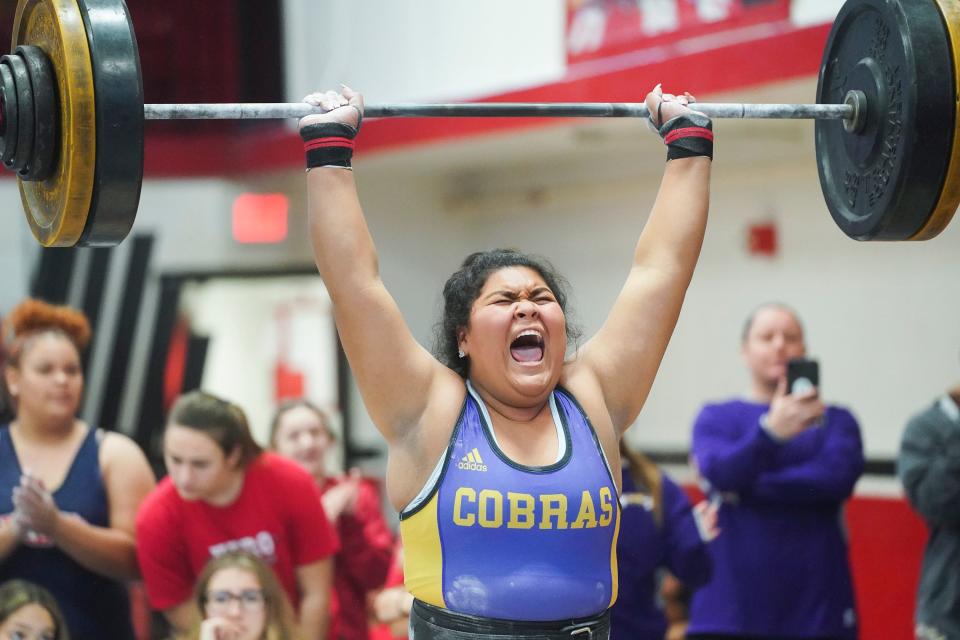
{"x": 301, "y": 432}
{"x": 223, "y": 494}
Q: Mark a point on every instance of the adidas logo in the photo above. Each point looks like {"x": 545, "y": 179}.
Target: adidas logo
{"x": 472, "y": 462}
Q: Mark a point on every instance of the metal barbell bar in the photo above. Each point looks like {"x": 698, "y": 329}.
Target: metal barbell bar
{"x": 280, "y": 110}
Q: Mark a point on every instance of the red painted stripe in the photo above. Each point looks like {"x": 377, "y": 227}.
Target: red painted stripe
{"x": 688, "y": 132}
{"x": 746, "y": 64}
{"x": 319, "y": 143}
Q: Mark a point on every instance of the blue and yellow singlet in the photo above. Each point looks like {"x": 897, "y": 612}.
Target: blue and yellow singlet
{"x": 493, "y": 538}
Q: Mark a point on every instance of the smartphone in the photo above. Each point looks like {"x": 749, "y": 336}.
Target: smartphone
{"x": 802, "y": 375}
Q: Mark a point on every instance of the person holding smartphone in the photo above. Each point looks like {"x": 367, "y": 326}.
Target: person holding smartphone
{"x": 782, "y": 463}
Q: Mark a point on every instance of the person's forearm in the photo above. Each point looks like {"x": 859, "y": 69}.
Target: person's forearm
{"x": 342, "y": 245}
{"x": 930, "y": 472}
{"x": 733, "y": 466}
{"x": 315, "y": 614}
{"x": 932, "y": 485}
{"x": 673, "y": 235}
{"x": 816, "y": 483}
{"x": 109, "y": 552}
{"x": 827, "y": 478}
{"x": 9, "y": 538}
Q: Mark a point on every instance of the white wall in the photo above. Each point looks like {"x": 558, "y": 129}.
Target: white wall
{"x": 193, "y": 218}
{"x": 428, "y": 50}
{"x": 254, "y": 324}
{"x": 17, "y": 247}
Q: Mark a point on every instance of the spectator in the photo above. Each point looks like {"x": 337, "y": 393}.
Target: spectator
{"x": 929, "y": 467}
{"x": 69, "y": 491}
{"x": 301, "y": 431}
{"x": 658, "y": 530}
{"x": 224, "y": 494}
{"x": 783, "y": 464}
{"x": 391, "y": 605}
{"x": 239, "y": 598}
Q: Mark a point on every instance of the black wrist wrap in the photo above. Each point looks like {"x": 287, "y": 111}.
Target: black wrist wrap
{"x": 688, "y": 136}
{"x": 328, "y": 144}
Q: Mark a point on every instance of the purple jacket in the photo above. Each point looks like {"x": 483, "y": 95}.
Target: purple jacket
{"x": 643, "y": 549}
{"x": 780, "y": 564}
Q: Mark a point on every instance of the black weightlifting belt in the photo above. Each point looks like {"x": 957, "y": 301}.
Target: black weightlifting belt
{"x": 428, "y": 622}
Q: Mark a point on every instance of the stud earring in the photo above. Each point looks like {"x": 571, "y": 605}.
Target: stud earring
{"x": 461, "y": 354}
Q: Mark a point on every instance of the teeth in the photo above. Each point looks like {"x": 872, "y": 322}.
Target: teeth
{"x": 529, "y": 332}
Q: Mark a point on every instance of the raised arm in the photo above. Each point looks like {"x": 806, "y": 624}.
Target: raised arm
{"x": 625, "y": 354}
{"x": 394, "y": 373}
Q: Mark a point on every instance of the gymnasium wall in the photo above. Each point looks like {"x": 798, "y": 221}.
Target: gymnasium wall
{"x": 17, "y": 247}
{"x": 433, "y": 51}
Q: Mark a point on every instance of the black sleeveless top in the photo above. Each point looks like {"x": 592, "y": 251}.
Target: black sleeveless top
{"x": 95, "y": 607}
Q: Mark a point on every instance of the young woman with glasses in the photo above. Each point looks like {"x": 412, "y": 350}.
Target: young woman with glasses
{"x": 240, "y": 599}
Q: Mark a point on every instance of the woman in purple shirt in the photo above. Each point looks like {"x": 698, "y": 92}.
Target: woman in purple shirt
{"x": 783, "y": 464}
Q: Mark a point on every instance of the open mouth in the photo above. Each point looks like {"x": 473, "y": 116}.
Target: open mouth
{"x": 527, "y": 347}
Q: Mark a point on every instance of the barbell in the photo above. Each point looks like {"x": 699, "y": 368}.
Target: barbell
{"x": 888, "y": 149}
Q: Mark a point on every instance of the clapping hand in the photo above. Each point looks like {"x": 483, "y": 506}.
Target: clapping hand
{"x": 343, "y": 497}
{"x": 35, "y": 509}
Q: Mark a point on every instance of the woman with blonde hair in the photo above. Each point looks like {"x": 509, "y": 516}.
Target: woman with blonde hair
{"x": 240, "y": 598}
{"x": 69, "y": 492}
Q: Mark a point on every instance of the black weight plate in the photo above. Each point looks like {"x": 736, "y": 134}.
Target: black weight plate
{"x": 46, "y": 134}
{"x": 119, "y": 108}
{"x": 884, "y": 182}
{"x": 8, "y": 139}
{"x": 18, "y": 69}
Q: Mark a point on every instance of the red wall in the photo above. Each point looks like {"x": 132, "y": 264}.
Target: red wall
{"x": 886, "y": 546}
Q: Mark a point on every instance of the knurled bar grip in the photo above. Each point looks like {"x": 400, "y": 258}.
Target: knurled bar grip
{"x": 281, "y": 110}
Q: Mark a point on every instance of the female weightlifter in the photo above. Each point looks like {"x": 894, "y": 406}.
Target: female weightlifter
{"x": 500, "y": 447}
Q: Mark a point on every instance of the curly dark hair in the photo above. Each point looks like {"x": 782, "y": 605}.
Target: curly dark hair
{"x": 464, "y": 286}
